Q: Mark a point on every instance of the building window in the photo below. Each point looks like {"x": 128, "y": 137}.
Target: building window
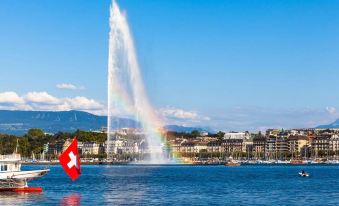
{"x": 3, "y": 168}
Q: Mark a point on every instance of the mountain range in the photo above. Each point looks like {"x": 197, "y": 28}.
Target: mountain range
{"x": 335, "y": 124}
{"x": 19, "y": 122}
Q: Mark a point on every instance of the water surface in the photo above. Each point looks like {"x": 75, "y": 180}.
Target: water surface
{"x": 184, "y": 185}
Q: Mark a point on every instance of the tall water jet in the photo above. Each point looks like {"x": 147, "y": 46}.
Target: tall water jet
{"x": 126, "y": 93}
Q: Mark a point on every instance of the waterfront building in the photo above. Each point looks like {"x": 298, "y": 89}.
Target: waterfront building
{"x": 270, "y": 147}
{"x": 187, "y": 147}
{"x": 54, "y": 149}
{"x": 276, "y": 147}
{"x": 334, "y": 144}
{"x": 177, "y": 144}
{"x": 259, "y": 147}
{"x": 103, "y": 148}
{"x": 67, "y": 143}
{"x": 115, "y": 146}
{"x": 122, "y": 146}
{"x": 298, "y": 145}
{"x": 90, "y": 148}
{"x": 200, "y": 146}
{"x": 214, "y": 146}
{"x": 59, "y": 146}
{"x": 232, "y": 147}
{"x": 321, "y": 145}
{"x": 130, "y": 147}
{"x": 248, "y": 148}
{"x": 45, "y": 148}
{"x": 80, "y": 146}
{"x": 49, "y": 149}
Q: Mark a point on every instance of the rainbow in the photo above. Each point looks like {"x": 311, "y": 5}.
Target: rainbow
{"x": 153, "y": 125}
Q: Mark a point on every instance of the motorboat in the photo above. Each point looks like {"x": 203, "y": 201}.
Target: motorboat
{"x": 283, "y": 162}
{"x": 12, "y": 179}
{"x": 303, "y": 174}
{"x": 232, "y": 163}
{"x": 297, "y": 162}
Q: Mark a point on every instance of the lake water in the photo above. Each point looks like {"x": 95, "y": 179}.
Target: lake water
{"x": 184, "y": 185}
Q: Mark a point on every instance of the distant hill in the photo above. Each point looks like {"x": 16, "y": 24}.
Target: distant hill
{"x": 330, "y": 126}
{"x": 19, "y": 122}
{"x": 177, "y": 128}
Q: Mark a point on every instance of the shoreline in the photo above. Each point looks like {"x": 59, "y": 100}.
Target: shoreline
{"x": 180, "y": 164}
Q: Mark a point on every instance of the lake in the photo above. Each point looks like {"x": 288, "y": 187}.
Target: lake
{"x": 184, "y": 185}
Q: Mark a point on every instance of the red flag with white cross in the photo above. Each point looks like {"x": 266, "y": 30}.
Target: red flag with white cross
{"x": 70, "y": 160}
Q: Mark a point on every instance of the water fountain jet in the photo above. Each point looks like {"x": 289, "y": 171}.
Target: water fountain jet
{"x": 126, "y": 93}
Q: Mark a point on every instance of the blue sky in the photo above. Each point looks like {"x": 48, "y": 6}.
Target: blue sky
{"x": 231, "y": 65}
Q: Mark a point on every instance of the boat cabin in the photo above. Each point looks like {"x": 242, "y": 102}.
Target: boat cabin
{"x": 10, "y": 163}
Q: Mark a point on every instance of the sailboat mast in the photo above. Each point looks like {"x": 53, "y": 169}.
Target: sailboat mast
{"x": 17, "y": 145}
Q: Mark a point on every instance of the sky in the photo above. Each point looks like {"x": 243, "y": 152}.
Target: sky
{"x": 228, "y": 65}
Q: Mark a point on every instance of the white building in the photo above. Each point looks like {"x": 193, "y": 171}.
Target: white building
{"x": 237, "y": 135}
{"x": 203, "y": 133}
{"x": 90, "y": 148}
{"x": 334, "y": 143}
{"x": 124, "y": 147}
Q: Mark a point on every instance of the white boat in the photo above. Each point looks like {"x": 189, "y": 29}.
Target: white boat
{"x": 283, "y": 162}
{"x": 316, "y": 161}
{"x": 332, "y": 162}
{"x": 304, "y": 174}
{"x": 231, "y": 162}
{"x": 13, "y": 179}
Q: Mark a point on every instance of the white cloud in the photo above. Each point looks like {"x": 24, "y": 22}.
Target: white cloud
{"x": 173, "y": 115}
{"x": 42, "y": 101}
{"x": 178, "y": 113}
{"x": 261, "y": 118}
{"x": 236, "y": 118}
{"x": 69, "y": 86}
{"x": 84, "y": 103}
{"x": 41, "y": 98}
{"x": 331, "y": 110}
{"x": 10, "y": 98}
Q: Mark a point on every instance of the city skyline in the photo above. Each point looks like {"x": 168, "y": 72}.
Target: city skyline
{"x": 224, "y": 65}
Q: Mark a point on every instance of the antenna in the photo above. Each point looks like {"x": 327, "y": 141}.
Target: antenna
{"x": 17, "y": 145}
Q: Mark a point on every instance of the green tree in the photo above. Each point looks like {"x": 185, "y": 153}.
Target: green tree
{"x": 35, "y": 132}
{"x": 220, "y": 135}
{"x": 24, "y": 147}
{"x": 195, "y": 133}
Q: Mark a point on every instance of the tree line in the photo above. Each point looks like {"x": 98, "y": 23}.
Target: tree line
{"x": 34, "y": 140}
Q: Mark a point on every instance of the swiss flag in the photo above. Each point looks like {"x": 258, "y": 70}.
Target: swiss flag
{"x": 70, "y": 160}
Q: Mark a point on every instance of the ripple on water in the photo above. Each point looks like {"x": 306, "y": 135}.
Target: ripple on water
{"x": 184, "y": 185}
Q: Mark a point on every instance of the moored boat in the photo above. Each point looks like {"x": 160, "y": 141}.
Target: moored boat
{"x": 332, "y": 162}
{"x": 283, "y": 162}
{"x": 297, "y": 162}
{"x": 232, "y": 163}
{"x": 12, "y": 179}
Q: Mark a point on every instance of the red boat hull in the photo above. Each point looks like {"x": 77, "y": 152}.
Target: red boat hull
{"x": 24, "y": 189}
